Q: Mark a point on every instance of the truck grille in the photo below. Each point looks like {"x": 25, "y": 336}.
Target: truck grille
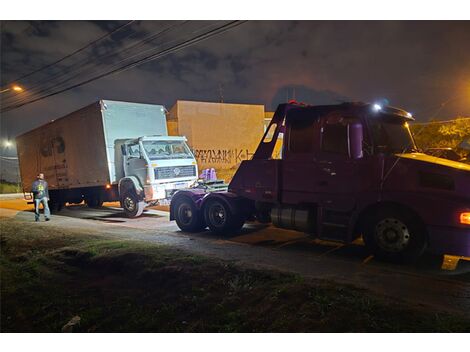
{"x": 175, "y": 171}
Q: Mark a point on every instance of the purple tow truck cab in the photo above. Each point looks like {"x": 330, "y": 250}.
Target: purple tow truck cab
{"x": 346, "y": 171}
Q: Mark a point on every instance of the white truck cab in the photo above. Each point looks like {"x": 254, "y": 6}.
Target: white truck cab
{"x": 161, "y": 164}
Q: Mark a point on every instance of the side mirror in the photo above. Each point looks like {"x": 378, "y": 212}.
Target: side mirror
{"x": 123, "y": 149}
{"x": 355, "y": 138}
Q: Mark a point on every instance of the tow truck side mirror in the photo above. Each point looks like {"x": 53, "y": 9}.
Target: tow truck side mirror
{"x": 123, "y": 149}
{"x": 356, "y": 139}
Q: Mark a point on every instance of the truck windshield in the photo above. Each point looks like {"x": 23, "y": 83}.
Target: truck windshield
{"x": 392, "y": 136}
{"x": 157, "y": 150}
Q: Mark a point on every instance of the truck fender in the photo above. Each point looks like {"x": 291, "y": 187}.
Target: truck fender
{"x": 194, "y": 195}
{"x": 130, "y": 182}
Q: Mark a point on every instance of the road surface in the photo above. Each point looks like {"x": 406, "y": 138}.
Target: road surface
{"x": 261, "y": 246}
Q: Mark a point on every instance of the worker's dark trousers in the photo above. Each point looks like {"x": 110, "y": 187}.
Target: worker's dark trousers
{"x": 37, "y": 202}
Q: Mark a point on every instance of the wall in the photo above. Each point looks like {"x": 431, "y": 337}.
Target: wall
{"x": 221, "y": 135}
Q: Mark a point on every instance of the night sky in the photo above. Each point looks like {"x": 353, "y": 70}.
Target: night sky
{"x": 414, "y": 65}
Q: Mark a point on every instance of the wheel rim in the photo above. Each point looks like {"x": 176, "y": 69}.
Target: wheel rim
{"x": 185, "y": 214}
{"x": 129, "y": 204}
{"x": 392, "y": 235}
{"x": 217, "y": 215}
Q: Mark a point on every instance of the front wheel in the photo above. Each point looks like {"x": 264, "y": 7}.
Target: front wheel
{"x": 187, "y": 216}
{"x": 221, "y": 219}
{"x": 132, "y": 205}
{"x": 395, "y": 236}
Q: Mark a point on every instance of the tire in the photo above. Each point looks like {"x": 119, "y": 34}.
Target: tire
{"x": 395, "y": 235}
{"x": 220, "y": 219}
{"x": 187, "y": 216}
{"x": 94, "y": 202}
{"x": 132, "y": 205}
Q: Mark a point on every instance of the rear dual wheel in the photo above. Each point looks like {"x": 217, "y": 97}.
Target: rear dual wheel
{"x": 222, "y": 219}
{"x": 188, "y": 217}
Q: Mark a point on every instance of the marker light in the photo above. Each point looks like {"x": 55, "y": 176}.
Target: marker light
{"x": 108, "y": 186}
{"x": 377, "y": 107}
{"x": 465, "y": 218}
{"x": 408, "y": 114}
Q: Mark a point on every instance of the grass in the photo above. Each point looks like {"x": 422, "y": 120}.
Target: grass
{"x": 8, "y": 187}
{"x": 49, "y": 276}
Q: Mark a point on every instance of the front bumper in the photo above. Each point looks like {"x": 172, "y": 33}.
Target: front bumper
{"x": 161, "y": 191}
{"x": 449, "y": 240}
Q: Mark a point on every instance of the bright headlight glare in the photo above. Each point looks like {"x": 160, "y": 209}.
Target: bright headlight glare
{"x": 377, "y": 107}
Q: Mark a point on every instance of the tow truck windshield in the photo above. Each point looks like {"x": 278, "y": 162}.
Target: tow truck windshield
{"x": 392, "y": 136}
{"x": 158, "y": 150}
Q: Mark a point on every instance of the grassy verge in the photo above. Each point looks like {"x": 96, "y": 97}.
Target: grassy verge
{"x": 7, "y": 187}
{"x": 49, "y": 276}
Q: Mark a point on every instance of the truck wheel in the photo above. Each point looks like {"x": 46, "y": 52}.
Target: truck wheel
{"x": 395, "y": 236}
{"x": 220, "y": 219}
{"x": 188, "y": 217}
{"x": 94, "y": 202}
{"x": 132, "y": 205}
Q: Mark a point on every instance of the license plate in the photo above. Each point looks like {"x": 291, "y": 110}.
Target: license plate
{"x": 180, "y": 185}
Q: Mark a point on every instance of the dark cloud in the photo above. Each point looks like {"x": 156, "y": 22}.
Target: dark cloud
{"x": 416, "y": 65}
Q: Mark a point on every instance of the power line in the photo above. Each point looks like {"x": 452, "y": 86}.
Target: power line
{"x": 74, "y": 52}
{"x": 81, "y": 70}
{"x": 151, "y": 57}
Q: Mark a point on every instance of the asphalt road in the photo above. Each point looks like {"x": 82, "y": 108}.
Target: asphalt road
{"x": 424, "y": 283}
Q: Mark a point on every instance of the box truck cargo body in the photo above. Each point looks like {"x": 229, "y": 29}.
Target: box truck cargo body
{"x": 107, "y": 151}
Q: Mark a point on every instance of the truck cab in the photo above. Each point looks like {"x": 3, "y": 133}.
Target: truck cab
{"x": 347, "y": 170}
{"x": 154, "y": 167}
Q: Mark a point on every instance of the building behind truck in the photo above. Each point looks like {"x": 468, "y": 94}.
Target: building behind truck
{"x": 220, "y": 134}
{"x": 108, "y": 151}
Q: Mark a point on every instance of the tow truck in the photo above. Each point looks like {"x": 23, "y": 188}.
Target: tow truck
{"x": 345, "y": 171}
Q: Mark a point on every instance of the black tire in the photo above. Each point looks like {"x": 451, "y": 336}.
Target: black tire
{"x": 394, "y": 235}
{"x": 220, "y": 219}
{"x": 132, "y": 205}
{"x": 94, "y": 202}
{"x": 187, "y": 216}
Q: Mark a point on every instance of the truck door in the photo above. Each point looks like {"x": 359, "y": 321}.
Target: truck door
{"x": 299, "y": 166}
{"x": 134, "y": 163}
{"x": 338, "y": 177}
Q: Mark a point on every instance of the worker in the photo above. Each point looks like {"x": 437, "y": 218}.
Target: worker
{"x": 40, "y": 192}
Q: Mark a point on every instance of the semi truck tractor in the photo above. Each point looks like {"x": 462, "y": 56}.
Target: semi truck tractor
{"x": 108, "y": 151}
{"x": 345, "y": 171}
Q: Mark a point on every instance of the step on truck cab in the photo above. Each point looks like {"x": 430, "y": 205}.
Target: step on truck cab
{"x": 108, "y": 151}
{"x": 346, "y": 170}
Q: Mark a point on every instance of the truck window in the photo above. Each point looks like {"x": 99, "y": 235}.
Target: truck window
{"x": 335, "y": 138}
{"x": 133, "y": 150}
{"x": 301, "y": 135}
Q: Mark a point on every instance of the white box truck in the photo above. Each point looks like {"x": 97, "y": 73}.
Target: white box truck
{"x": 108, "y": 151}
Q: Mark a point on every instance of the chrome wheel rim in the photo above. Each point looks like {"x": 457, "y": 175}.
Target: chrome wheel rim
{"x": 392, "y": 235}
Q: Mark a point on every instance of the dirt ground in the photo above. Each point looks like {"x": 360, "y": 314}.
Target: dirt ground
{"x": 81, "y": 280}
{"x": 423, "y": 286}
